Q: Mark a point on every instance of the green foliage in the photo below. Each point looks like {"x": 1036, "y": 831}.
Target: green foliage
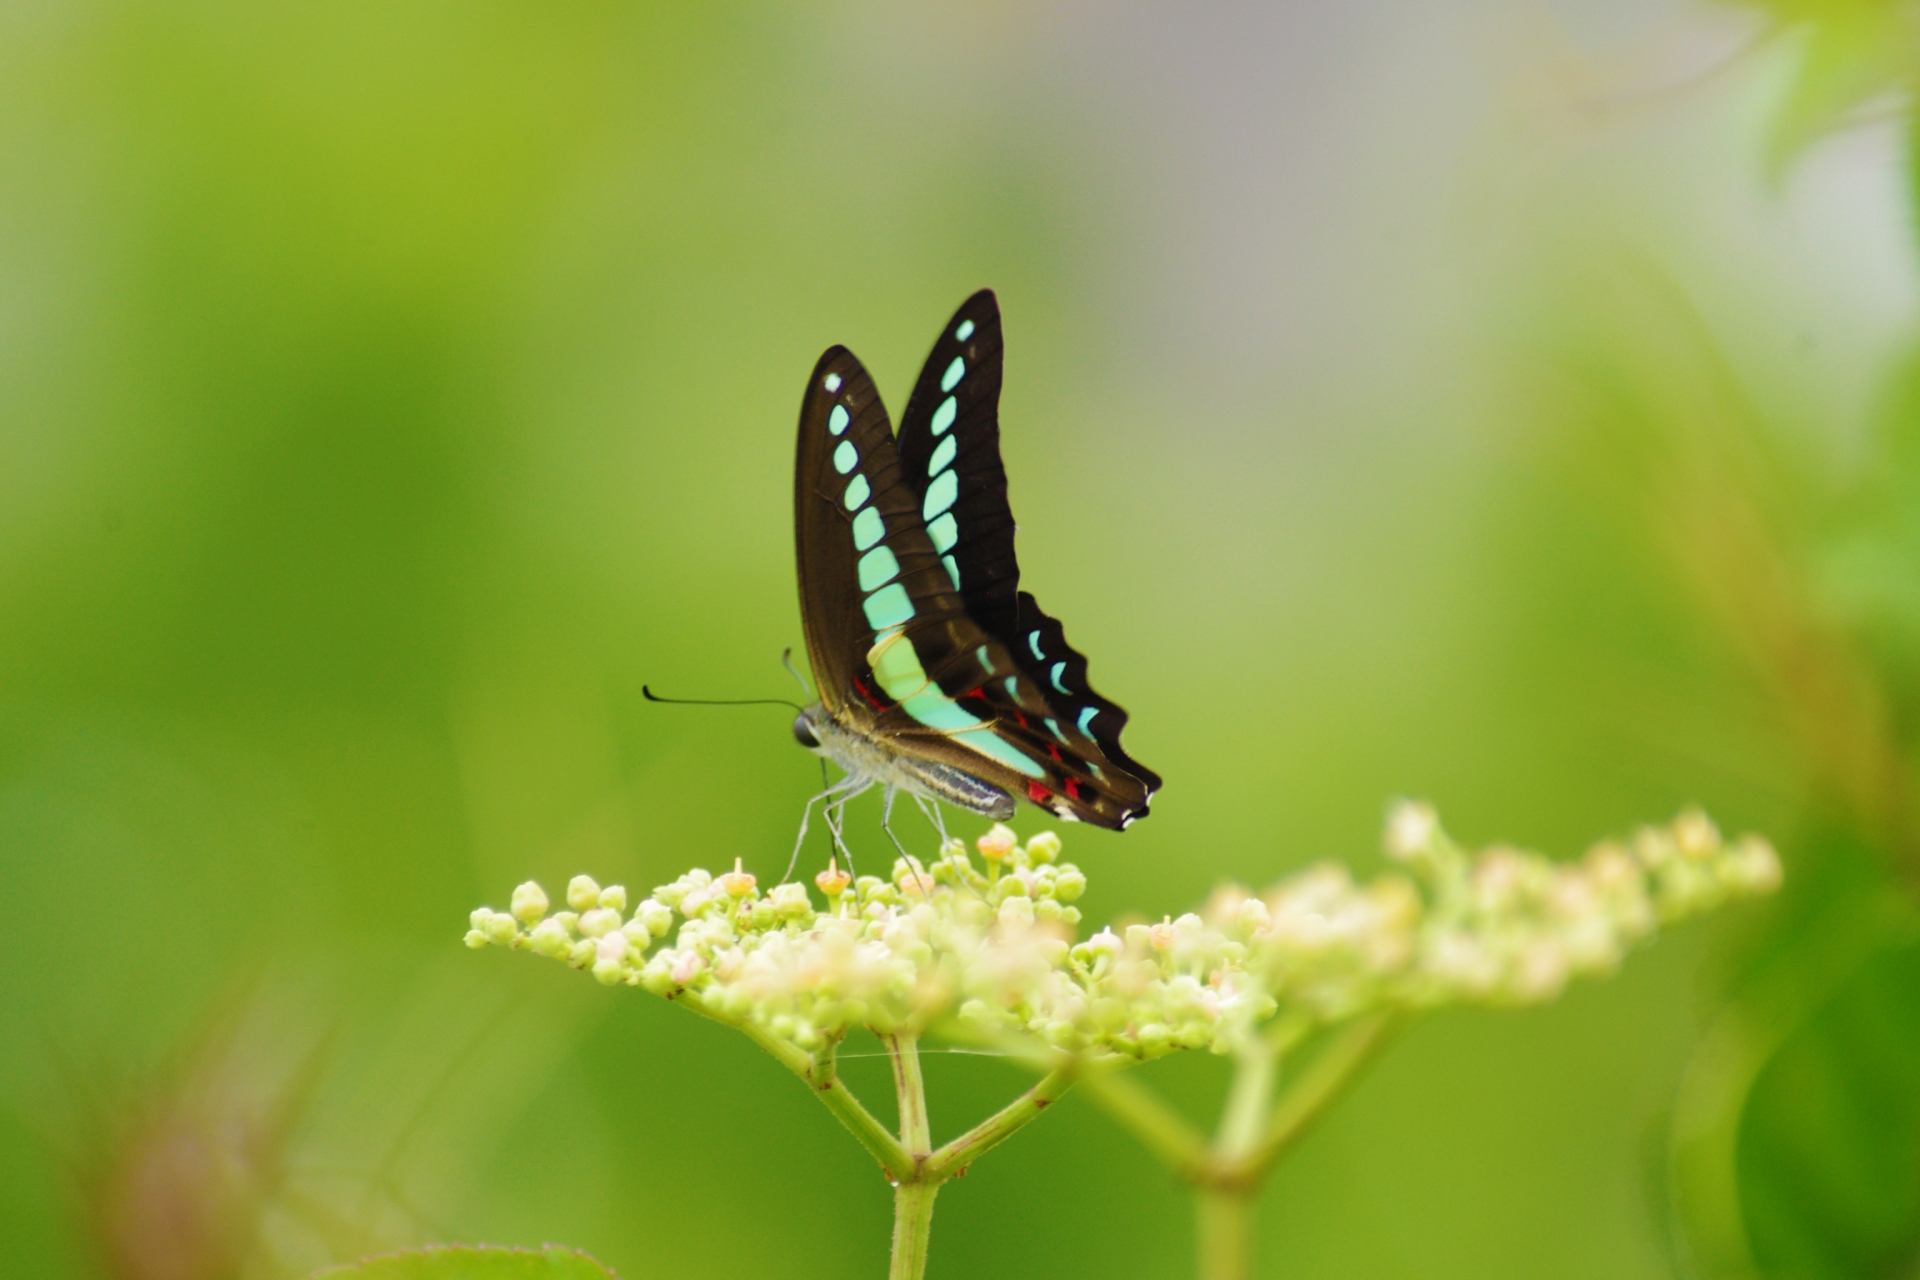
{"x": 479, "y": 1262}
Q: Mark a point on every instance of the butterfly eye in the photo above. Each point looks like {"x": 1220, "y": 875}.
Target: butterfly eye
{"x": 803, "y": 732}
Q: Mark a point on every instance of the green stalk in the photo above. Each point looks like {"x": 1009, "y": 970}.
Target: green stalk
{"x": 913, "y": 1195}
{"x": 1223, "y": 1231}
{"x": 912, "y": 1229}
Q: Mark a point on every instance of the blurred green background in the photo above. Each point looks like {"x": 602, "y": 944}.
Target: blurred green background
{"x": 1509, "y": 404}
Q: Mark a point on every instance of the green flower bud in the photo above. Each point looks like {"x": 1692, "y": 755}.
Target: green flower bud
{"x": 581, "y": 953}
{"x": 529, "y": 903}
{"x": 1412, "y": 828}
{"x": 1016, "y": 911}
{"x": 614, "y": 898}
{"x": 550, "y": 938}
{"x": 657, "y": 915}
{"x": 583, "y": 893}
{"x": 599, "y": 922}
{"x": 1069, "y": 882}
{"x": 479, "y": 917}
{"x": 501, "y": 928}
{"x": 1043, "y": 848}
{"x": 477, "y": 938}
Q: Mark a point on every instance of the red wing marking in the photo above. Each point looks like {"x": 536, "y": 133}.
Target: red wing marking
{"x": 1073, "y": 788}
{"x": 1037, "y": 793}
{"x": 867, "y": 693}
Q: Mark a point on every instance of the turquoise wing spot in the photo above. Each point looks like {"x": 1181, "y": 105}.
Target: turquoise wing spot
{"x": 888, "y": 607}
{"x": 965, "y": 330}
{"x": 1086, "y": 718}
{"x": 868, "y": 527}
{"x": 831, "y": 382}
{"x": 1095, "y": 769}
{"x": 953, "y": 570}
{"x": 878, "y": 567}
{"x": 937, "y": 711}
{"x": 943, "y": 456}
{"x": 1013, "y": 687}
{"x": 846, "y": 457}
{"x": 984, "y": 741}
{"x": 955, "y": 371}
{"x": 837, "y": 420}
{"x": 858, "y": 491}
{"x": 1033, "y": 643}
{"x": 940, "y": 494}
{"x": 1058, "y": 667}
{"x": 943, "y": 416}
{"x": 897, "y": 667}
{"x": 1053, "y": 727}
{"x": 944, "y": 532}
{"x": 985, "y": 661}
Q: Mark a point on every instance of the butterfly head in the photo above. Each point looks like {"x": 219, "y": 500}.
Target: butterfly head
{"x": 805, "y": 727}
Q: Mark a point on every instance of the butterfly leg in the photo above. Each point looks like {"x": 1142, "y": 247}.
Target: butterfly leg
{"x": 886, "y": 825}
{"x": 835, "y": 814}
{"x": 931, "y": 808}
{"x": 836, "y": 797}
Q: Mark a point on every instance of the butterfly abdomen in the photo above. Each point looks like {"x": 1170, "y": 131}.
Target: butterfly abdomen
{"x": 863, "y": 755}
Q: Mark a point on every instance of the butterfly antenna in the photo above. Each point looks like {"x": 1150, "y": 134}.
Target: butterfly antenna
{"x": 651, "y": 696}
{"x": 786, "y": 660}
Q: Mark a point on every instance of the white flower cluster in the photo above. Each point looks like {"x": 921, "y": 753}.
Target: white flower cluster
{"x": 988, "y": 953}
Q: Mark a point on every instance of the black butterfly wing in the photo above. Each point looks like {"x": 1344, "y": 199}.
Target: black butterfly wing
{"x": 950, "y": 447}
{"x": 895, "y": 652}
{"x": 949, "y": 452}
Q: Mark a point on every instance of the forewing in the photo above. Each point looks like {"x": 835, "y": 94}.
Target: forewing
{"x": 950, "y": 453}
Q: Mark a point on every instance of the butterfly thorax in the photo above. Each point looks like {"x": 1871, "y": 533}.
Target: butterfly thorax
{"x": 874, "y": 763}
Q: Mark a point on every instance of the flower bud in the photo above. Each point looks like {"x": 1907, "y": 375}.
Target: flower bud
{"x": 1411, "y": 828}
{"x": 790, "y": 902}
{"x": 657, "y": 916}
{"x": 529, "y": 903}
{"x": 583, "y": 893}
{"x": 833, "y": 881}
{"x": 599, "y": 922}
{"x": 479, "y": 917}
{"x": 550, "y": 938}
{"x": 1162, "y": 936}
{"x": 1043, "y": 848}
{"x": 614, "y": 897}
{"x": 1016, "y": 910}
{"x": 997, "y": 843}
{"x": 686, "y": 967}
{"x": 1069, "y": 883}
{"x": 1695, "y": 833}
{"x": 477, "y": 939}
{"x": 501, "y": 928}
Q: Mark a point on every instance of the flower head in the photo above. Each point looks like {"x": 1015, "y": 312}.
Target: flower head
{"x": 990, "y": 953}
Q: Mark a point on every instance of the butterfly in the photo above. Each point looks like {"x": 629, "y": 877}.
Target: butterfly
{"x": 936, "y": 675}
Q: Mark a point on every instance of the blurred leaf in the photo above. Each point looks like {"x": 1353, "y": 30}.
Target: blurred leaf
{"x": 482, "y": 1262}
{"x": 1854, "y": 51}
{"x": 1829, "y": 1164}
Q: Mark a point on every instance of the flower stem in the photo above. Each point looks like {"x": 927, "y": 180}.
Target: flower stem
{"x": 1223, "y": 1230}
{"x": 912, "y": 1229}
{"x": 821, "y": 1074}
{"x": 1307, "y": 1096}
{"x": 916, "y": 1133}
{"x": 953, "y": 1158}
